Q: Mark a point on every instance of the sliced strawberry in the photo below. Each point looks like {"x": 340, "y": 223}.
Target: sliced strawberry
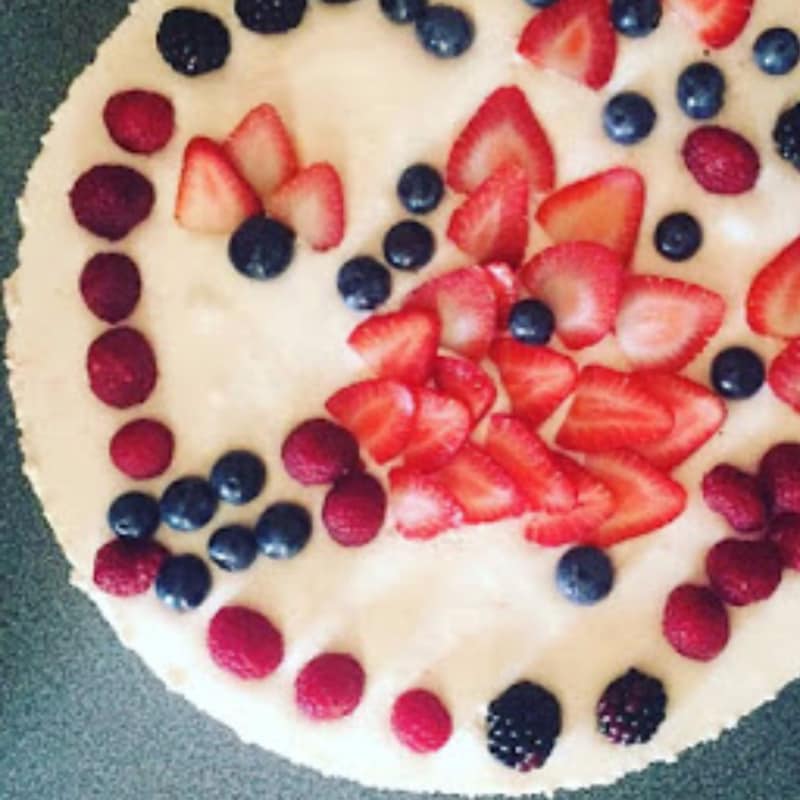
{"x": 605, "y": 208}
{"x": 441, "y": 427}
{"x": 503, "y": 129}
{"x": 575, "y": 38}
{"x": 537, "y": 379}
{"x": 506, "y": 290}
{"x": 717, "y": 23}
{"x": 645, "y": 498}
{"x": 465, "y": 303}
{"x": 467, "y": 382}
{"x": 663, "y": 323}
{"x": 379, "y": 413}
{"x": 784, "y": 375}
{"x": 774, "y": 297}
{"x": 492, "y": 223}
{"x": 400, "y": 345}
{"x": 582, "y": 283}
{"x": 212, "y": 196}
{"x": 481, "y": 486}
{"x": 698, "y": 414}
{"x": 422, "y": 508}
{"x": 611, "y": 410}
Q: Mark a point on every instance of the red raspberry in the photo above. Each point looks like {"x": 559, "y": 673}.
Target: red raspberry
{"x": 736, "y": 496}
{"x": 784, "y": 530}
{"x": 330, "y": 686}
{"x": 720, "y": 160}
{"x": 779, "y": 473}
{"x": 125, "y": 568}
{"x": 121, "y": 367}
{"x": 744, "y": 572}
{"x": 695, "y": 622}
{"x": 319, "y": 451}
{"x": 244, "y": 642}
{"x": 354, "y": 509}
{"x": 139, "y": 121}
{"x": 142, "y": 449}
{"x": 421, "y": 721}
{"x": 111, "y": 286}
{"x": 111, "y": 200}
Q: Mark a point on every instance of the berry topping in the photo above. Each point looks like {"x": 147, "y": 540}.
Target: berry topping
{"x": 125, "y": 568}
{"x": 318, "y": 451}
{"x": 721, "y": 160}
{"x": 441, "y": 426}
{"x": 233, "y": 548}
{"x": 506, "y": 287}
{"x": 631, "y": 708}
{"x": 142, "y": 449}
{"x": 717, "y": 23}
{"x": 183, "y": 582}
{"x": 111, "y": 286}
{"x": 283, "y": 530}
{"x": 701, "y": 90}
{"x": 678, "y": 236}
{"x": 444, "y": 31}
{"x": 635, "y": 18}
{"x": 329, "y": 687}
{"x": 736, "y": 496}
{"x": 465, "y": 381}
{"x": 784, "y": 530}
{"x": 193, "y": 42}
{"x": 421, "y": 721}
{"x": 134, "y": 515}
{"x": 420, "y": 189}
{"x": 364, "y": 283}
{"x": 121, "y": 367}
{"x": 743, "y": 572}
{"x": 354, "y": 510}
{"x": 238, "y": 477}
{"x": 402, "y": 11}
{"x": 584, "y": 575}
{"x": 139, "y": 121}
{"x": 244, "y": 642}
{"x": 188, "y": 504}
{"x": 737, "y": 372}
{"x": 695, "y": 622}
{"x": 784, "y": 375}
{"x": 777, "y": 51}
{"x": 421, "y": 507}
{"x": 786, "y": 135}
{"x": 531, "y": 322}
{"x": 409, "y": 245}
{"x": 774, "y": 295}
{"x": 261, "y": 248}
{"x": 779, "y": 475}
{"x": 270, "y": 16}
{"x": 628, "y": 117}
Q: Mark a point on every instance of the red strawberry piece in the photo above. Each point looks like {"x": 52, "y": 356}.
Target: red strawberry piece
{"x": 779, "y": 476}
{"x": 743, "y": 572}
{"x": 610, "y": 410}
{"x": 401, "y": 345}
{"x": 319, "y": 451}
{"x": 721, "y": 160}
{"x": 262, "y": 151}
{"x": 121, "y": 367}
{"x": 594, "y": 505}
{"x": 504, "y": 129}
{"x": 784, "y": 375}
{"x": 139, "y": 121}
{"x": 735, "y": 495}
{"x": 354, "y": 510}
{"x": 774, "y": 296}
{"x": 536, "y": 379}
{"x": 441, "y": 427}
{"x": 506, "y": 290}
{"x": 421, "y": 721}
{"x": 142, "y": 449}
{"x": 111, "y": 200}
{"x": 525, "y": 457}
{"x": 784, "y": 530}
{"x": 645, "y": 498}
{"x": 698, "y": 415}
{"x": 465, "y": 303}
{"x": 125, "y": 568}
{"x": 695, "y": 622}
{"x": 422, "y": 508}
{"x": 483, "y": 489}
{"x": 575, "y": 38}
{"x": 244, "y": 642}
{"x": 111, "y": 286}
{"x": 212, "y": 196}
{"x": 329, "y": 687}
{"x": 717, "y": 23}
{"x": 581, "y": 282}
{"x": 605, "y": 208}
{"x": 465, "y": 381}
{"x": 663, "y": 323}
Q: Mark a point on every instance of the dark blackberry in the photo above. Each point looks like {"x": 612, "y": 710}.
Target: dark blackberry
{"x": 631, "y": 708}
{"x": 193, "y": 42}
{"x": 270, "y": 16}
{"x": 522, "y": 726}
{"x": 786, "y": 135}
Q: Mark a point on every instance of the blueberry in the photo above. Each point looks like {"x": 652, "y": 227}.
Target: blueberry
{"x": 408, "y": 245}
{"x": 134, "y": 515}
{"x": 238, "y": 477}
{"x": 531, "y": 322}
{"x": 403, "y": 11}
{"x": 635, "y": 17}
{"x": 444, "y": 31}
{"x": 183, "y": 582}
{"x": 584, "y": 575}
{"x": 270, "y": 16}
{"x": 540, "y": 3}
{"x": 701, "y": 90}
{"x": 737, "y": 373}
{"x": 628, "y": 118}
{"x": 188, "y": 504}
{"x": 786, "y": 135}
{"x": 678, "y": 236}
{"x": 777, "y": 51}
{"x": 261, "y": 248}
{"x": 233, "y": 548}
{"x": 364, "y": 283}
{"x": 193, "y": 42}
{"x": 420, "y": 188}
{"x": 283, "y": 530}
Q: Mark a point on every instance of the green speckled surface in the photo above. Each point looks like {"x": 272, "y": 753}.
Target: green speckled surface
{"x": 80, "y": 718}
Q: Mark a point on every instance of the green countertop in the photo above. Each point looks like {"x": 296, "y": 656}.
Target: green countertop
{"x": 80, "y": 717}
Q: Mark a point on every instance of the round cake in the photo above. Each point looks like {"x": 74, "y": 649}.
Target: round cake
{"x": 422, "y": 402}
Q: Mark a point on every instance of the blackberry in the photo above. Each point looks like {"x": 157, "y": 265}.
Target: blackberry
{"x": 786, "y": 135}
{"x": 522, "y": 726}
{"x": 270, "y": 16}
{"x": 193, "y": 42}
{"x": 631, "y": 708}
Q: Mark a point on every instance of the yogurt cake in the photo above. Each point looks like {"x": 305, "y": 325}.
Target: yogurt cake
{"x": 422, "y": 397}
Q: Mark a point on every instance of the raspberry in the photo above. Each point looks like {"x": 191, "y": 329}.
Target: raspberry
{"x": 121, "y": 367}
{"x": 111, "y": 200}
{"x": 784, "y": 530}
{"x": 779, "y": 473}
{"x": 111, "y": 286}
{"x": 319, "y": 451}
{"x": 142, "y": 449}
{"x": 744, "y": 572}
{"x": 695, "y": 622}
{"x": 720, "y": 160}
{"x": 354, "y": 510}
{"x": 124, "y": 567}
{"x": 139, "y": 121}
{"x": 631, "y": 708}
{"x": 244, "y": 642}
{"x": 330, "y": 686}
{"x": 421, "y": 721}
{"x": 736, "y": 496}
